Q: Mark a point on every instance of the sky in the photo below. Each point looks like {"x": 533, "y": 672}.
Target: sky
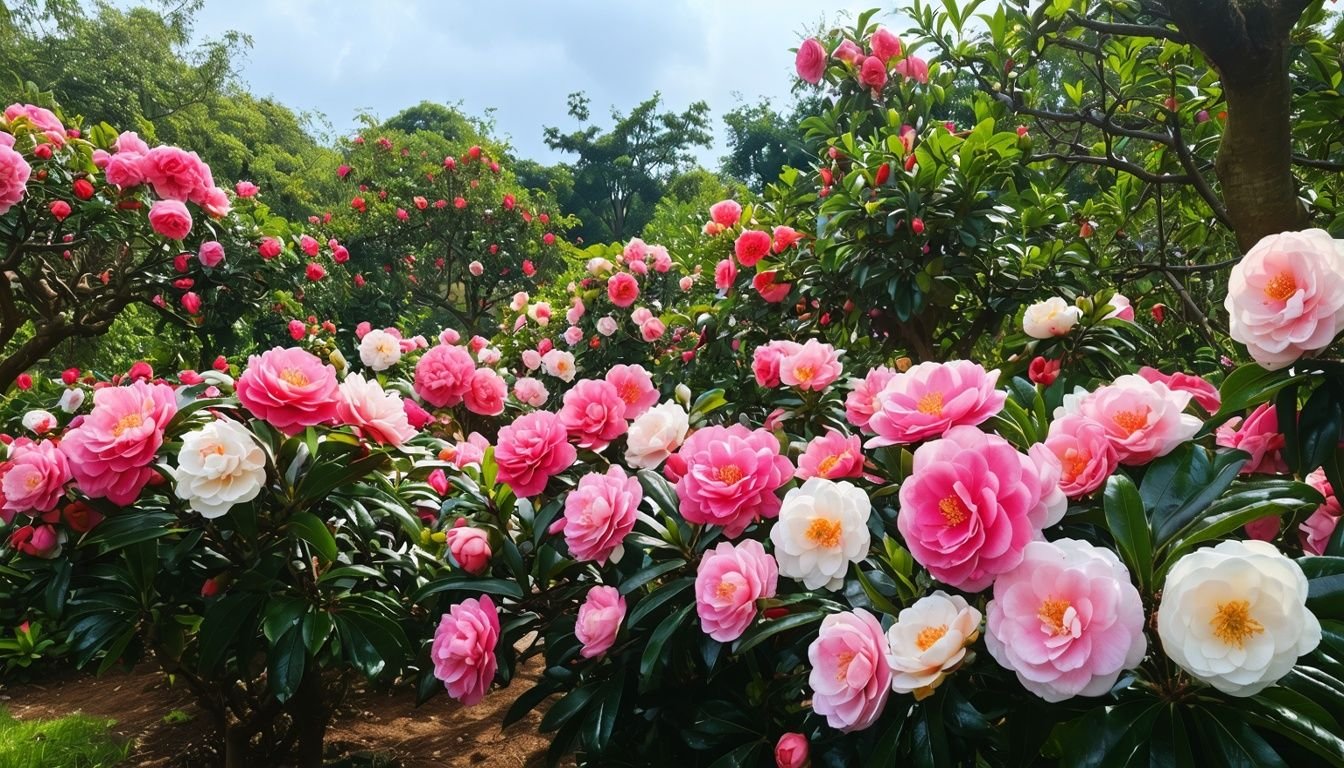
{"x": 520, "y": 58}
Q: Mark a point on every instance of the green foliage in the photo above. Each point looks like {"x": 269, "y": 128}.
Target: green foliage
{"x": 75, "y": 740}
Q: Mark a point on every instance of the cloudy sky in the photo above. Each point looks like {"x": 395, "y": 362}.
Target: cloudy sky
{"x": 519, "y": 57}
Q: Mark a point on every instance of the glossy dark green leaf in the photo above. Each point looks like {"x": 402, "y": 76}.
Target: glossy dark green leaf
{"x": 285, "y": 662}
{"x": 1129, "y": 525}
{"x": 459, "y": 583}
{"x": 307, "y": 527}
{"x": 1325, "y": 586}
{"x": 764, "y": 630}
{"x": 652, "y": 657}
{"x": 645, "y": 575}
{"x": 231, "y": 616}
{"x": 568, "y": 707}
{"x": 658, "y": 598}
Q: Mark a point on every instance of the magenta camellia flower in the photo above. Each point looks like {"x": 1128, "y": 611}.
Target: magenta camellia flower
{"x": 1143, "y": 419}
{"x": 470, "y": 547}
{"x": 531, "y": 450}
{"x": 599, "y": 513}
{"x": 833, "y": 456}
{"x": 873, "y": 73}
{"x": 1315, "y": 533}
{"x": 622, "y": 289}
{"x": 1067, "y": 620}
{"x": 730, "y": 478}
{"x": 1285, "y": 299}
{"x": 593, "y": 413}
{"x": 791, "y": 751}
{"x": 290, "y": 389}
{"x": 111, "y": 450}
{"x": 812, "y": 366}
{"x": 1086, "y": 456}
{"x": 463, "y": 651}
{"x": 635, "y": 387}
{"x": 810, "y": 62}
{"x": 170, "y": 218}
{"x": 725, "y": 213}
{"x": 599, "y": 621}
{"x": 913, "y": 68}
{"x": 931, "y": 398}
{"x": 211, "y": 253}
{"x": 487, "y": 392}
{"x": 175, "y": 173}
{"x": 443, "y": 375}
{"x": 849, "y": 52}
{"x": 246, "y": 189}
{"x": 728, "y": 582}
{"x": 751, "y": 246}
{"x": 14, "y": 174}
{"x": 885, "y": 45}
{"x": 865, "y": 398}
{"x": 766, "y": 359}
{"x": 33, "y": 478}
{"x": 376, "y": 413}
{"x": 43, "y": 541}
{"x": 1203, "y": 393}
{"x": 850, "y": 678}
{"x": 1258, "y": 434}
{"x": 725, "y": 274}
{"x": 971, "y": 504}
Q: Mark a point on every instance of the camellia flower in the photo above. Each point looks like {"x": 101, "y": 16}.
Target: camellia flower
{"x": 622, "y": 289}
{"x": 822, "y": 528}
{"x": 531, "y": 450}
{"x": 913, "y": 68}
{"x": 884, "y": 44}
{"x": 1285, "y": 299}
{"x": 725, "y": 213}
{"x": 1258, "y": 434}
{"x": 1067, "y": 620}
{"x": 1121, "y": 309}
{"x": 929, "y": 641}
{"x": 728, "y": 582}
{"x": 210, "y": 254}
{"x": 218, "y": 466}
{"x": 1203, "y": 393}
{"x": 111, "y": 450}
{"x": 873, "y": 73}
{"x": 487, "y": 392}
{"x": 1143, "y": 419}
{"x": 725, "y": 274}
{"x": 1315, "y": 533}
{"x": 170, "y": 218}
{"x": 530, "y": 391}
{"x": 1086, "y": 456}
{"x": 599, "y": 621}
{"x": 850, "y": 678}
{"x": 766, "y": 360}
{"x": 1050, "y": 318}
{"x": 810, "y": 62}
{"x": 463, "y": 651}
{"x": 832, "y": 456}
{"x": 813, "y": 366}
{"x": 635, "y": 387}
{"x": 379, "y": 350}
{"x": 791, "y": 751}
{"x": 443, "y": 375}
{"x": 865, "y": 398}
{"x": 39, "y": 422}
{"x": 599, "y": 513}
{"x": 377, "y": 414}
{"x": 751, "y": 246}
{"x": 33, "y": 478}
{"x": 971, "y": 504}
{"x": 469, "y": 546}
{"x": 655, "y": 434}
{"x": 594, "y": 414}
{"x": 730, "y": 478}
{"x": 559, "y": 364}
{"x": 289, "y": 388}
{"x": 1235, "y": 616}
{"x": 14, "y": 174}
{"x": 932, "y": 398}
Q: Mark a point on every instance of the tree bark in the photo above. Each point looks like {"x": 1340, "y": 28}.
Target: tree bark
{"x": 309, "y": 711}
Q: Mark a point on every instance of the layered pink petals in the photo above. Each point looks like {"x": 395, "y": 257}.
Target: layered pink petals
{"x": 463, "y": 651}
{"x": 932, "y": 398}
{"x": 850, "y": 678}
{"x": 730, "y": 477}
{"x": 531, "y": 450}
{"x": 599, "y": 513}
{"x": 728, "y": 582}
{"x": 111, "y": 451}
{"x": 290, "y": 389}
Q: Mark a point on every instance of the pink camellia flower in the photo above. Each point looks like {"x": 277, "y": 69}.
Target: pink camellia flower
{"x": 873, "y": 73}
{"x": 635, "y": 387}
{"x": 810, "y": 62}
{"x": 315, "y": 271}
{"x": 1315, "y": 533}
{"x": 865, "y": 398}
{"x": 662, "y": 260}
{"x": 725, "y": 274}
{"x": 848, "y": 51}
{"x": 33, "y": 478}
{"x": 416, "y": 416}
{"x": 42, "y": 541}
{"x": 833, "y": 456}
{"x": 1121, "y": 309}
{"x": 123, "y": 171}
{"x": 971, "y": 504}
{"x": 470, "y": 547}
{"x": 191, "y": 302}
{"x": 175, "y": 174}
{"x": 1142, "y": 419}
{"x": 531, "y": 450}
{"x": 297, "y": 329}
{"x": 622, "y": 289}
{"x": 573, "y": 335}
{"x": 486, "y": 392}
{"x": 766, "y": 360}
{"x": 751, "y": 246}
{"x": 932, "y": 398}
{"x": 913, "y": 68}
{"x": 377, "y": 414}
{"x": 785, "y": 238}
{"x": 269, "y": 248}
{"x": 111, "y": 450}
{"x": 476, "y": 268}
{"x": 215, "y": 202}
{"x": 1204, "y": 393}
{"x": 211, "y": 253}
{"x": 770, "y": 291}
{"x": 599, "y": 513}
{"x": 14, "y": 174}
{"x": 443, "y": 375}
{"x": 1258, "y": 434}
{"x": 1086, "y": 456}
{"x": 130, "y": 143}
{"x": 814, "y": 365}
{"x": 290, "y": 389}
{"x": 468, "y": 452}
{"x": 641, "y": 315}
{"x": 170, "y": 218}
{"x": 60, "y": 210}
{"x": 246, "y": 189}
{"x": 599, "y": 621}
{"x": 530, "y": 391}
{"x": 1286, "y": 297}
{"x": 576, "y": 312}
{"x": 593, "y": 413}
{"x": 42, "y": 118}
{"x": 730, "y": 478}
{"x": 791, "y": 751}
{"x": 885, "y": 45}
{"x": 685, "y": 283}
{"x": 1067, "y": 620}
{"x": 463, "y": 651}
{"x": 1043, "y": 371}
{"x": 725, "y": 213}
{"x": 728, "y": 582}
{"x": 850, "y": 678}
{"x": 652, "y": 330}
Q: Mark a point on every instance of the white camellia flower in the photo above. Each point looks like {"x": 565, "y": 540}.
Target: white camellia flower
{"x": 928, "y": 641}
{"x": 559, "y": 364}
{"x": 379, "y": 350}
{"x": 1235, "y": 616}
{"x": 1050, "y": 318}
{"x": 822, "y": 528}
{"x": 71, "y": 399}
{"x": 218, "y": 466}
{"x": 655, "y": 435}
{"x": 39, "y": 422}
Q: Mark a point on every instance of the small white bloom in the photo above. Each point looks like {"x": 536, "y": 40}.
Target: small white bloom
{"x": 655, "y": 435}
{"x": 683, "y": 394}
{"x": 606, "y": 325}
{"x": 39, "y": 422}
{"x": 1235, "y": 616}
{"x": 488, "y": 356}
{"x": 599, "y": 266}
{"x": 929, "y": 640}
{"x": 559, "y": 364}
{"x": 219, "y": 465}
{"x": 1049, "y": 318}
{"x": 822, "y": 528}
{"x": 379, "y": 350}
{"x": 71, "y": 400}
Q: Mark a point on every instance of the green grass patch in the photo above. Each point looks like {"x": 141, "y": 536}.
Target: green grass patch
{"x": 77, "y": 741}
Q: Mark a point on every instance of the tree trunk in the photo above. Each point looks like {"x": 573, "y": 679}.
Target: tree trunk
{"x": 309, "y": 711}
{"x": 236, "y": 748}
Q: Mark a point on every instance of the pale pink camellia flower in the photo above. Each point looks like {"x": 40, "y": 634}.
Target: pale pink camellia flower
{"x": 175, "y": 174}
{"x": 33, "y": 478}
{"x": 170, "y": 218}
{"x": 530, "y": 391}
{"x": 1050, "y": 318}
{"x": 519, "y": 301}
{"x": 848, "y": 51}
{"x": 540, "y": 312}
{"x": 725, "y": 213}
{"x": 14, "y": 175}
{"x": 101, "y": 158}
{"x": 470, "y": 547}
{"x": 622, "y": 289}
{"x": 655, "y": 434}
{"x": 864, "y": 399}
{"x": 833, "y": 456}
{"x": 635, "y": 250}
{"x": 42, "y": 118}
{"x": 573, "y": 335}
{"x": 815, "y": 365}
{"x": 791, "y": 751}
{"x": 531, "y": 359}
{"x": 1258, "y": 434}
{"x": 730, "y": 477}
{"x": 519, "y": 323}
{"x": 873, "y": 73}
{"x": 290, "y": 389}
{"x": 599, "y": 513}
{"x": 685, "y": 283}
{"x": 728, "y": 582}
{"x": 1315, "y": 533}
{"x": 971, "y": 504}
{"x": 593, "y": 413}
{"x": 662, "y": 260}
{"x": 766, "y": 360}
{"x": 531, "y": 450}
{"x": 1121, "y": 309}
{"x": 1285, "y": 299}
{"x": 641, "y": 315}
{"x": 652, "y": 330}
{"x": 751, "y": 246}
{"x": 463, "y": 651}
{"x": 211, "y": 253}
{"x": 725, "y": 274}
{"x": 40, "y": 422}
{"x": 929, "y": 641}
{"x": 467, "y": 452}
{"x": 443, "y": 375}
{"x": 363, "y": 330}
{"x": 476, "y": 268}
{"x": 1142, "y": 419}
{"x": 1086, "y": 456}
{"x": 486, "y": 392}
{"x": 810, "y": 61}
{"x": 606, "y": 325}
{"x": 576, "y": 311}
{"x": 1203, "y": 393}
{"x": 123, "y": 171}
{"x": 130, "y": 143}
{"x": 246, "y": 189}
{"x": 850, "y": 677}
{"x": 599, "y": 620}
{"x": 1067, "y": 621}
{"x": 913, "y": 68}
{"x": 559, "y": 364}
{"x": 635, "y": 387}
{"x": 885, "y": 45}
{"x": 111, "y": 450}
{"x": 932, "y": 398}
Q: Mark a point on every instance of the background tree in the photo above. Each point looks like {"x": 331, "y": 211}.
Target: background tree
{"x": 762, "y": 142}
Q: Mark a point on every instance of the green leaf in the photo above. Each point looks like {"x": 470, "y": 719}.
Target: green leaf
{"x": 567, "y": 707}
{"x": 765, "y": 630}
{"x": 231, "y": 616}
{"x": 1325, "y": 586}
{"x": 659, "y": 493}
{"x": 645, "y": 575}
{"x": 284, "y": 664}
{"x": 1129, "y": 525}
{"x": 707, "y": 403}
{"x": 281, "y": 615}
{"x": 457, "y": 583}
{"x": 653, "y": 652}
{"x": 370, "y": 641}
{"x": 305, "y": 526}
{"x": 1247, "y": 386}
{"x": 658, "y": 598}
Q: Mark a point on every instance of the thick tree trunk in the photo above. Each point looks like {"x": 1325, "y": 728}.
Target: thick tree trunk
{"x": 309, "y": 711}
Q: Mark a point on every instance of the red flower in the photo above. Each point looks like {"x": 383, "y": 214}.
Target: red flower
{"x": 883, "y": 173}
{"x": 528, "y": 268}
{"x": 269, "y": 248}
{"x": 1043, "y": 371}
{"x": 917, "y": 225}
{"x": 221, "y": 363}
{"x": 548, "y": 239}
{"x": 359, "y": 281}
{"x": 1159, "y": 312}
{"x": 358, "y": 204}
{"x": 59, "y": 208}
{"x": 70, "y": 376}
{"x": 83, "y": 189}
{"x": 24, "y": 381}
{"x": 315, "y": 272}
{"x": 459, "y": 202}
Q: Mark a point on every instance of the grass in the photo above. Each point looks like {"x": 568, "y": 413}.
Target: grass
{"x": 76, "y": 741}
